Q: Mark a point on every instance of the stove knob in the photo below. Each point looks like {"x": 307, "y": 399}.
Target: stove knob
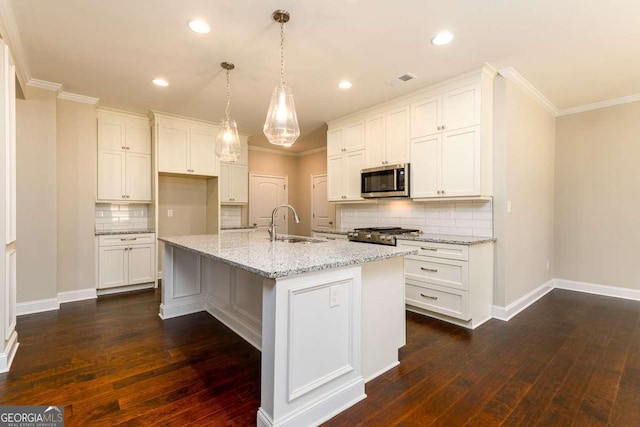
{"x": 367, "y": 236}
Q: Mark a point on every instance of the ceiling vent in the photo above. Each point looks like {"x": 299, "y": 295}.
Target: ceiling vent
{"x": 401, "y": 79}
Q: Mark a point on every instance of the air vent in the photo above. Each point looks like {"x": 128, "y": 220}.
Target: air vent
{"x": 401, "y": 79}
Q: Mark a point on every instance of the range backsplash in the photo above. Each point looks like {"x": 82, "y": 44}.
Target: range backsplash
{"x": 453, "y": 218}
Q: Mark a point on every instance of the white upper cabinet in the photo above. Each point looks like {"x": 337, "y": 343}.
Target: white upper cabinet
{"x": 454, "y": 109}
{"x": 124, "y": 157}
{"x": 186, "y": 146}
{"x": 343, "y": 177}
{"x": 387, "y": 138}
{"x": 346, "y": 139}
{"x": 234, "y": 178}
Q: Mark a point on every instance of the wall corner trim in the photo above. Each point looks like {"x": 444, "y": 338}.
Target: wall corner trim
{"x": 510, "y": 311}
{"x": 511, "y": 74}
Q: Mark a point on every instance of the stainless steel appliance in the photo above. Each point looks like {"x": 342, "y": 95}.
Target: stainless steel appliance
{"x": 385, "y": 181}
{"x": 379, "y": 235}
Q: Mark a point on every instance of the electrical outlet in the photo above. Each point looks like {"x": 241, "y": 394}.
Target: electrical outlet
{"x": 509, "y": 206}
{"x": 170, "y": 213}
{"x": 334, "y": 292}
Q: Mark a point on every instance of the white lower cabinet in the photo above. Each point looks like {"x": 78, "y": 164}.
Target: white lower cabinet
{"x": 126, "y": 259}
{"x": 450, "y": 282}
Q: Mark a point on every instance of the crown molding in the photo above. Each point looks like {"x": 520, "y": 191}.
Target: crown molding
{"x": 78, "y": 98}
{"x": 43, "y": 84}
{"x": 511, "y": 74}
{"x": 601, "y": 104}
{"x": 10, "y": 33}
{"x": 285, "y": 153}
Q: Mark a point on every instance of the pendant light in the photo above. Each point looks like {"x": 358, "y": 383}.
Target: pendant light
{"x": 281, "y": 126}
{"x": 228, "y": 146}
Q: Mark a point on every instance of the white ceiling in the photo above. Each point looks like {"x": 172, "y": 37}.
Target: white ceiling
{"x": 574, "y": 52}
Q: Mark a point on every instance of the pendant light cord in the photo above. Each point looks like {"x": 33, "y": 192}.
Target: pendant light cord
{"x": 282, "y": 53}
{"x": 226, "y": 110}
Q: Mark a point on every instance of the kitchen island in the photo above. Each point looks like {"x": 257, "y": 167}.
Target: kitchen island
{"x": 327, "y": 315}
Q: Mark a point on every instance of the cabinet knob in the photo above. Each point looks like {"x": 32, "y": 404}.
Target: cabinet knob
{"x": 439, "y": 192}
{"x": 439, "y": 127}
{"x": 123, "y": 147}
{"x": 443, "y": 127}
{"x": 442, "y": 191}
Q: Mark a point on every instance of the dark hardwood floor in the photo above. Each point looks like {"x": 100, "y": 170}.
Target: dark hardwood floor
{"x": 570, "y": 359}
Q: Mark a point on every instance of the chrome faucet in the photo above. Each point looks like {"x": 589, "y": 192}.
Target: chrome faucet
{"x": 272, "y": 226}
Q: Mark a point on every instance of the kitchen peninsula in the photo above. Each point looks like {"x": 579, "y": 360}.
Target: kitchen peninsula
{"x": 327, "y": 315}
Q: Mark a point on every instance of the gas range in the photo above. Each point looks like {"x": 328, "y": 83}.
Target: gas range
{"x": 379, "y": 235}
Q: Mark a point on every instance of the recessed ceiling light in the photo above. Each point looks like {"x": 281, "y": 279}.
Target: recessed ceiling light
{"x": 345, "y": 84}
{"x": 160, "y": 82}
{"x": 441, "y": 38}
{"x": 198, "y": 26}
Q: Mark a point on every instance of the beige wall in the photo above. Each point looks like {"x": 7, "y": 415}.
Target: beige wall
{"x": 597, "y": 228}
{"x": 36, "y": 195}
{"x": 524, "y": 174}
{"x": 311, "y": 164}
{"x": 76, "y": 193}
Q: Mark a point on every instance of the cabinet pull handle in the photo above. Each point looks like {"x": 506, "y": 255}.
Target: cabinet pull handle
{"x": 426, "y": 248}
{"x": 129, "y": 238}
{"x": 432, "y": 270}
{"x": 330, "y": 238}
{"x": 428, "y": 297}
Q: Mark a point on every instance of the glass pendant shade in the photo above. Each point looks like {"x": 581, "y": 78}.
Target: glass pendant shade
{"x": 228, "y": 147}
{"x": 281, "y": 126}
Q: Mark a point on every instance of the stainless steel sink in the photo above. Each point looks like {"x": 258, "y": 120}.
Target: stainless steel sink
{"x": 301, "y": 240}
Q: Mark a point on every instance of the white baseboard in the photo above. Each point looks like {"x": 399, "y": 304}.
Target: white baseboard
{"x": 175, "y": 310}
{"x": 79, "y": 295}
{"x": 508, "y": 312}
{"x": 38, "y": 306}
{"x": 592, "y": 288}
{"x": 11, "y": 347}
{"x": 123, "y": 289}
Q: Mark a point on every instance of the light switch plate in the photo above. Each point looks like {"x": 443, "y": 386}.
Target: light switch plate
{"x": 334, "y": 292}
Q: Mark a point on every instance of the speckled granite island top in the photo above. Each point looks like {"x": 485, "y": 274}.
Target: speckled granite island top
{"x": 444, "y": 238}
{"x": 114, "y": 232}
{"x": 252, "y": 251}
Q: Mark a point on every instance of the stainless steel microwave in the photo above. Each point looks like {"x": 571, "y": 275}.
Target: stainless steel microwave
{"x": 385, "y": 181}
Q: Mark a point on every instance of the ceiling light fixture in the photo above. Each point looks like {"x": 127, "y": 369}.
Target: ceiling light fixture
{"x": 441, "y": 38}
{"x": 198, "y": 26}
{"x": 228, "y": 147}
{"x": 345, "y": 84}
{"x": 281, "y": 126}
{"x": 160, "y": 82}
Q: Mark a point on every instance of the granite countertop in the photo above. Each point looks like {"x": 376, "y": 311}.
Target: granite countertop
{"x": 252, "y": 251}
{"x": 443, "y": 238}
{"x": 114, "y": 232}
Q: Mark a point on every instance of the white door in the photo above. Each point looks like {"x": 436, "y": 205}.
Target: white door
{"x": 322, "y": 212}
{"x": 265, "y": 193}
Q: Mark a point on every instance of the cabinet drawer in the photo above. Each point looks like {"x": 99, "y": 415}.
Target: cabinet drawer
{"x": 437, "y": 271}
{"x": 449, "y": 302}
{"x": 438, "y": 250}
{"x": 126, "y": 239}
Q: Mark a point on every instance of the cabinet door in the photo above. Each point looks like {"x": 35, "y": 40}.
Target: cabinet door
{"x": 239, "y": 189}
{"x": 111, "y": 175}
{"x": 113, "y": 267}
{"x": 397, "y": 136}
{"x": 461, "y": 108}
{"x": 461, "y": 161}
{"x": 203, "y": 154}
{"x": 172, "y": 149}
{"x": 352, "y": 170}
{"x": 110, "y": 133}
{"x": 141, "y": 264}
{"x": 374, "y": 136}
{"x": 138, "y": 177}
{"x": 354, "y": 137}
{"x": 335, "y": 142}
{"x": 138, "y": 138}
{"x": 224, "y": 182}
{"x": 425, "y": 166}
{"x": 336, "y": 178}
{"x": 426, "y": 117}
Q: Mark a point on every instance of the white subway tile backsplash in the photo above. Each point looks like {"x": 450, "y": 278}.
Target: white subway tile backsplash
{"x": 230, "y": 216}
{"x": 457, "y": 218}
{"x": 121, "y": 217}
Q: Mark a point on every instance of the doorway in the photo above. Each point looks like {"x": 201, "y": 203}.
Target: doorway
{"x": 322, "y": 212}
{"x": 265, "y": 193}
